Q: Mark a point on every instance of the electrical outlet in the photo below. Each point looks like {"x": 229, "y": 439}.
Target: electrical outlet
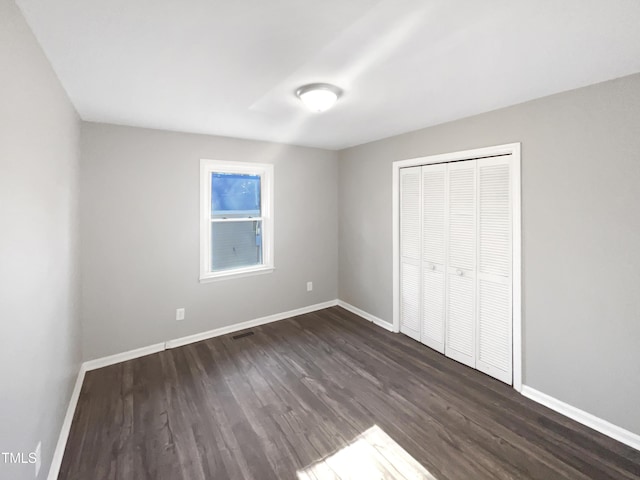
{"x": 38, "y": 455}
{"x": 309, "y": 286}
{"x": 180, "y": 314}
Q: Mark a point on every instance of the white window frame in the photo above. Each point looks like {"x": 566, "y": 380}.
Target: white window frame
{"x": 265, "y": 171}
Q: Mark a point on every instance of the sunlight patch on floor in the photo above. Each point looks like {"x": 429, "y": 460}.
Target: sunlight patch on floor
{"x": 372, "y": 455}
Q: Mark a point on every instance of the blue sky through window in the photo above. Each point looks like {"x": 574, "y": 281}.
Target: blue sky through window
{"x": 235, "y": 194}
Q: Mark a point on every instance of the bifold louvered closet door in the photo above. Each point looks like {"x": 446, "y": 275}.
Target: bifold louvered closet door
{"x": 410, "y": 250}
{"x": 456, "y": 225}
{"x": 434, "y": 181}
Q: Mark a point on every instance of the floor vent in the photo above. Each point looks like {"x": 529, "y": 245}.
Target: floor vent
{"x": 242, "y": 335}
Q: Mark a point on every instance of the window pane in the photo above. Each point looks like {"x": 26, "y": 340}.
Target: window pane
{"x": 236, "y": 244}
{"x": 235, "y": 195}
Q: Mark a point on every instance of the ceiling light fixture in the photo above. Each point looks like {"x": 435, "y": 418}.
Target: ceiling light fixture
{"x": 318, "y": 97}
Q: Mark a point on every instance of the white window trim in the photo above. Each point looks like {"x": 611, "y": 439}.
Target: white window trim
{"x": 265, "y": 171}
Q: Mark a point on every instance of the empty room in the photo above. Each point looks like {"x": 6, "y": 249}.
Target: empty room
{"x": 363, "y": 239}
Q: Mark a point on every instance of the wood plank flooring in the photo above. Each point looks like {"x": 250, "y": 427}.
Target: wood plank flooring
{"x": 322, "y": 396}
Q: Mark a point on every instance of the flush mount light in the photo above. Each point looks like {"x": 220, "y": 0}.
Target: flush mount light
{"x": 318, "y": 97}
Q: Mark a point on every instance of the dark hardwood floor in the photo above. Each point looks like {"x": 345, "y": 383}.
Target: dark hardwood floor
{"x": 321, "y": 396}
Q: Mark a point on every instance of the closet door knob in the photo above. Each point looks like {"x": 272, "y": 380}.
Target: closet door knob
{"x": 432, "y": 267}
{"x": 459, "y": 272}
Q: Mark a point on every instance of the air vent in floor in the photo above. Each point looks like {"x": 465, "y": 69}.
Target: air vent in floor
{"x": 242, "y": 335}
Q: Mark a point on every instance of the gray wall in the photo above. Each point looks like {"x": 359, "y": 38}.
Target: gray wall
{"x": 581, "y": 236}
{"x": 40, "y": 337}
{"x": 140, "y": 236}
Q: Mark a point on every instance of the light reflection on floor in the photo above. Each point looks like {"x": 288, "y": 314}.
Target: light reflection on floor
{"x": 372, "y": 455}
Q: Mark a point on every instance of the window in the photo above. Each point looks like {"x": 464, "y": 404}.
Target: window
{"x": 236, "y": 224}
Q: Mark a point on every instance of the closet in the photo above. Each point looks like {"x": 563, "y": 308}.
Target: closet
{"x": 455, "y": 260}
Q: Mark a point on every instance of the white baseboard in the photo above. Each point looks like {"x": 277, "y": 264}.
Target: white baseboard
{"x": 123, "y": 357}
{"x": 216, "y": 332}
{"x": 585, "y": 418}
{"x": 366, "y": 315}
{"x": 58, "y": 453}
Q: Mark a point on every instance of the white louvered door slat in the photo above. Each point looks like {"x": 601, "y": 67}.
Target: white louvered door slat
{"x": 433, "y": 255}
{"x": 410, "y": 251}
{"x": 494, "y": 316}
{"x": 460, "y": 339}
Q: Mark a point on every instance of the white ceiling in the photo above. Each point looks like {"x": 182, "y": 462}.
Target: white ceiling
{"x": 231, "y": 67}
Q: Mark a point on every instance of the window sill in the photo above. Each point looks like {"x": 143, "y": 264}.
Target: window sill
{"x": 238, "y": 273}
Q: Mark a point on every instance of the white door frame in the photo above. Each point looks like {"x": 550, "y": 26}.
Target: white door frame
{"x": 512, "y": 149}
